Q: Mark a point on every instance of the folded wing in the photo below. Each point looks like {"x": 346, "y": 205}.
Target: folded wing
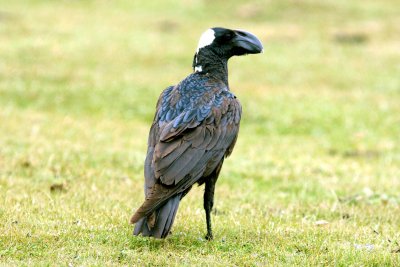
{"x": 188, "y": 139}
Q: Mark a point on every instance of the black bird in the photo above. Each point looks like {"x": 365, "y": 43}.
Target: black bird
{"x": 195, "y": 127}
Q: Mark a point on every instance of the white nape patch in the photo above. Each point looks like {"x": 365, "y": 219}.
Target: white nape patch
{"x": 198, "y": 69}
{"x": 206, "y": 39}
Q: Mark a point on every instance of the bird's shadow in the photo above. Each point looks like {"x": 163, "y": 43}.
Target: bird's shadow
{"x": 176, "y": 241}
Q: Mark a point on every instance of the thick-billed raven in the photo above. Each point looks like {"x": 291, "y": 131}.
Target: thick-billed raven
{"x": 195, "y": 127}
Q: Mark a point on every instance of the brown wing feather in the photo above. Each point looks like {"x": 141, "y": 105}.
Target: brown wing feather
{"x": 183, "y": 156}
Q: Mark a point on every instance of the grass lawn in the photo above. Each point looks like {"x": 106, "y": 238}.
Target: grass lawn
{"x": 315, "y": 175}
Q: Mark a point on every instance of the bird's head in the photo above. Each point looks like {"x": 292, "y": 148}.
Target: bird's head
{"x": 227, "y": 43}
{"x": 221, "y": 43}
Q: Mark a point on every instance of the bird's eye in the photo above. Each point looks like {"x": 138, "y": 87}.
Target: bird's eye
{"x": 228, "y": 36}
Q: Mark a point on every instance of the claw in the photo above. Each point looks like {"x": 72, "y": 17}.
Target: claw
{"x": 209, "y": 236}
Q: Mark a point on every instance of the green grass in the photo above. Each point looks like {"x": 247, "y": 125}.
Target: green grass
{"x": 319, "y": 140}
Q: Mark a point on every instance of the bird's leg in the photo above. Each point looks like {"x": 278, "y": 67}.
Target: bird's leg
{"x": 209, "y": 202}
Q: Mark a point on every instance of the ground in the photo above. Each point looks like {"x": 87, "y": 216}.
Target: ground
{"x": 314, "y": 178}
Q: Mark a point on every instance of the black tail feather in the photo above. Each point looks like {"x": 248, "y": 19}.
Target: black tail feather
{"x": 165, "y": 216}
{"x": 171, "y": 216}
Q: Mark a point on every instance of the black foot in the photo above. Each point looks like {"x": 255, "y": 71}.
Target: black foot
{"x": 209, "y": 236}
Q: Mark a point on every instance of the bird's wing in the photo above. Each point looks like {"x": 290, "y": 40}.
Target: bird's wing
{"x": 191, "y": 134}
{"x": 189, "y": 138}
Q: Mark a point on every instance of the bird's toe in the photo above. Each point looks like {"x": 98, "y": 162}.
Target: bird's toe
{"x": 209, "y": 236}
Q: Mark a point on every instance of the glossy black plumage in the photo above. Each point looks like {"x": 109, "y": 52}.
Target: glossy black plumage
{"x": 195, "y": 127}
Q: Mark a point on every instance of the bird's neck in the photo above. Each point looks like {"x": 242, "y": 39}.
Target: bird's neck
{"x": 208, "y": 62}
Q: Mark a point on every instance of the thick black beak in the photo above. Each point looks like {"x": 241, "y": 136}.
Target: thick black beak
{"x": 246, "y": 43}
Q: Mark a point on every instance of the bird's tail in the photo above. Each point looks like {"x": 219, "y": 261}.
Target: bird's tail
{"x": 158, "y": 224}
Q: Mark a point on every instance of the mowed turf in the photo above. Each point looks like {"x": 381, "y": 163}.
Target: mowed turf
{"x": 315, "y": 175}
